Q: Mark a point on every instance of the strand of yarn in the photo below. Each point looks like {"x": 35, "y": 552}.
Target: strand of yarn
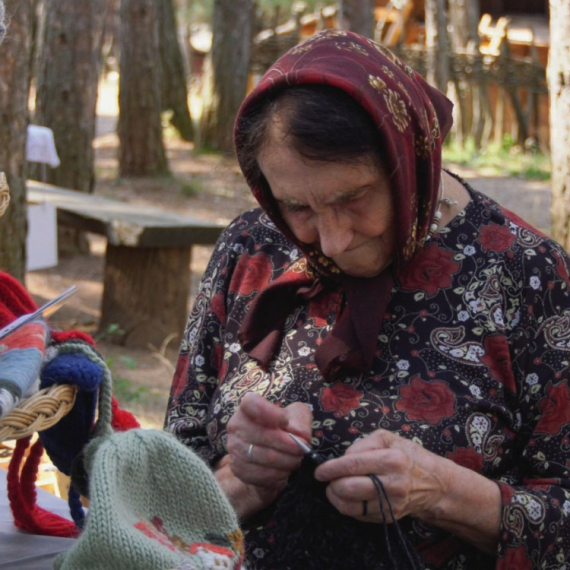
{"x": 408, "y": 548}
{"x": 28, "y": 515}
{"x": 103, "y": 427}
{"x": 76, "y": 507}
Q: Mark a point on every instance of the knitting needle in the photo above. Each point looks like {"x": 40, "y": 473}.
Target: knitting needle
{"x": 315, "y": 458}
{"x": 44, "y": 311}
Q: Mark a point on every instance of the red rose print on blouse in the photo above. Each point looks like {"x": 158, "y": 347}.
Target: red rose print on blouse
{"x": 555, "y": 409}
{"x": 431, "y": 271}
{"x": 496, "y": 238}
{"x": 322, "y": 306}
{"x": 180, "y": 375}
{"x": 426, "y": 401}
{"x": 341, "y": 398}
{"x": 440, "y": 552}
{"x": 467, "y": 457}
{"x": 516, "y": 219}
{"x": 515, "y": 558}
{"x": 218, "y": 304}
{"x": 252, "y": 273}
{"x": 561, "y": 268}
{"x": 498, "y": 359}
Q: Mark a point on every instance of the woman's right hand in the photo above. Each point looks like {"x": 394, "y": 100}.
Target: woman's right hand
{"x": 274, "y": 454}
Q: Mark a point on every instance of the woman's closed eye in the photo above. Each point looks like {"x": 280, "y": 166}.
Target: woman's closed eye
{"x": 354, "y": 198}
{"x": 293, "y": 208}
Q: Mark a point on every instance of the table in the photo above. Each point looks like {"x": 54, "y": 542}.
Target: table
{"x": 23, "y": 551}
{"x": 147, "y": 259}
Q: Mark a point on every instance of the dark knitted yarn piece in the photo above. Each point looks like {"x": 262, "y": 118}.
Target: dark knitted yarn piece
{"x": 311, "y": 534}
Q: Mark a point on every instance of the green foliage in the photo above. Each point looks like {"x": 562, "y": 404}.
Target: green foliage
{"x": 123, "y": 388}
{"x": 201, "y": 11}
{"x": 206, "y": 150}
{"x": 125, "y": 391}
{"x": 191, "y": 187}
{"x": 112, "y": 331}
{"x": 508, "y": 159}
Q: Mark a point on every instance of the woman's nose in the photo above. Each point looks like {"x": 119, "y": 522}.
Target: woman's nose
{"x": 335, "y": 233}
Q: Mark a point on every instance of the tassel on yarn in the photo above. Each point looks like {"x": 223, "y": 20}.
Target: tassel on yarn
{"x": 28, "y": 516}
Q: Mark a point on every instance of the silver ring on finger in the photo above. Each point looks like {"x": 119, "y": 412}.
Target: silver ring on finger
{"x": 250, "y": 452}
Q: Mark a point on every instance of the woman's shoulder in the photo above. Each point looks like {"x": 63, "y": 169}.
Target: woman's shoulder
{"x": 251, "y": 245}
{"x": 501, "y": 230}
{"x": 253, "y": 226}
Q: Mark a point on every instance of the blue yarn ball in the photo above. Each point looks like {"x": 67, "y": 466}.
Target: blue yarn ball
{"x": 74, "y": 369}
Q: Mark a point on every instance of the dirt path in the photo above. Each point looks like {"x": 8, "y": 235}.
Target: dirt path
{"x": 209, "y": 186}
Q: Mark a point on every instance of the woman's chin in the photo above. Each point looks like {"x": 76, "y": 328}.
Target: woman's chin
{"x": 362, "y": 272}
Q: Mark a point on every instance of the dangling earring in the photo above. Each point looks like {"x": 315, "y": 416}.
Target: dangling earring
{"x": 434, "y": 226}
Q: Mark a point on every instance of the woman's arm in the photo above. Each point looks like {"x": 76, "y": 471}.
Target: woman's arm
{"x": 470, "y": 507}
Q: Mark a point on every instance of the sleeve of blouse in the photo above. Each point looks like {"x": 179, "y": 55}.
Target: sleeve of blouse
{"x": 535, "y": 525}
{"x": 201, "y": 352}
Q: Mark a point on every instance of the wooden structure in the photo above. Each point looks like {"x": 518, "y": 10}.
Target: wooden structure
{"x": 499, "y": 86}
{"x": 147, "y": 262}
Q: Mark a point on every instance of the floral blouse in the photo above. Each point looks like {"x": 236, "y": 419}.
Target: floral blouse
{"x": 472, "y": 362}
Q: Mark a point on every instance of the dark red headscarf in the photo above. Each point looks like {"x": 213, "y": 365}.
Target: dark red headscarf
{"x": 412, "y": 119}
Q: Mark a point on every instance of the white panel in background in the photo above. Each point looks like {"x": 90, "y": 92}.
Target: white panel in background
{"x": 41, "y": 242}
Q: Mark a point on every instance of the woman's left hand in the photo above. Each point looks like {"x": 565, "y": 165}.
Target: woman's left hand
{"x": 417, "y": 483}
{"x": 408, "y": 472}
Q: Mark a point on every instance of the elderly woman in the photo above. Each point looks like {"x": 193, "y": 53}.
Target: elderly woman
{"x": 406, "y": 327}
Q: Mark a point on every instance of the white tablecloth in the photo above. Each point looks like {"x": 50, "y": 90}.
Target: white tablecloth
{"x": 40, "y": 146}
{"x": 22, "y": 551}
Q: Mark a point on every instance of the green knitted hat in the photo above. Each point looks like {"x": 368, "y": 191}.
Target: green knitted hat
{"x": 153, "y": 504}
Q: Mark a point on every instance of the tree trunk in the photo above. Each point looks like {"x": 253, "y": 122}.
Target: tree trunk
{"x": 141, "y": 150}
{"x": 437, "y": 44}
{"x": 173, "y": 83}
{"x": 14, "y": 87}
{"x": 146, "y": 305}
{"x": 232, "y": 25}
{"x": 358, "y": 16}
{"x": 559, "y": 89}
{"x": 464, "y": 16}
{"x": 69, "y": 62}
{"x": 68, "y": 78}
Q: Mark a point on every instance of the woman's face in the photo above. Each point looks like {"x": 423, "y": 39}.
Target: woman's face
{"x": 344, "y": 209}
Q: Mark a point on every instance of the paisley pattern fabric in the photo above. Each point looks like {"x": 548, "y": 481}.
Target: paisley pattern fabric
{"x": 472, "y": 362}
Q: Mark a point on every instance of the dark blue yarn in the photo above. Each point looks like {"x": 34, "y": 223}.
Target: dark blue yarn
{"x": 65, "y": 440}
{"x": 76, "y": 508}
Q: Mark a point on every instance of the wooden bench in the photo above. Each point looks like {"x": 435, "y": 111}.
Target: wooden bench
{"x": 147, "y": 261}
